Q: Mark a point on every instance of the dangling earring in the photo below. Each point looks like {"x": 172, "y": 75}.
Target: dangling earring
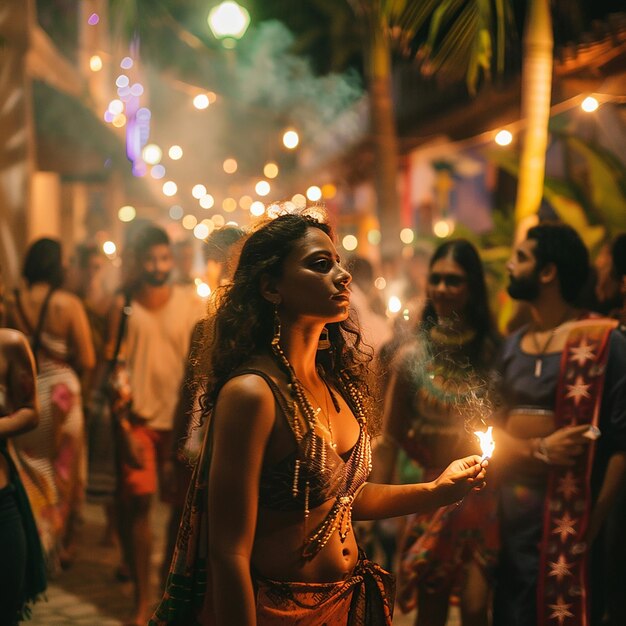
{"x": 324, "y": 341}
{"x": 276, "y": 335}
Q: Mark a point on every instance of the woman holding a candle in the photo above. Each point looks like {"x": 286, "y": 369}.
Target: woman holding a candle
{"x": 266, "y": 537}
{"x": 437, "y": 397}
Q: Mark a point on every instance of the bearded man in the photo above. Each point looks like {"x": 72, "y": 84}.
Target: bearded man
{"x": 562, "y": 445}
{"x": 159, "y": 322}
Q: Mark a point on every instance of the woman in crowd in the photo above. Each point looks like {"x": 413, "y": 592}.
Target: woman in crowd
{"x": 434, "y": 403}
{"x": 266, "y": 537}
{"x": 22, "y": 577}
{"x": 53, "y": 455}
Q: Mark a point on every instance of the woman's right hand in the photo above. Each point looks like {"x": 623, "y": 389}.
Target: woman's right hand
{"x": 459, "y": 478}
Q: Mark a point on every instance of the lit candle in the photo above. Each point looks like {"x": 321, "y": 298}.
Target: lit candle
{"x": 487, "y": 444}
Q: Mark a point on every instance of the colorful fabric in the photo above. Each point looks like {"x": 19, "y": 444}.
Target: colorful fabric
{"x": 562, "y": 589}
{"x": 364, "y": 599}
{"x": 437, "y": 548}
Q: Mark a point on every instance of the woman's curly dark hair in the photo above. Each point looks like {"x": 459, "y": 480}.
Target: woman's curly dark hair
{"x": 243, "y": 322}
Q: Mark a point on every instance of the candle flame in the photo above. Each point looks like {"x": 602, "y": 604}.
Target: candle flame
{"x": 487, "y": 444}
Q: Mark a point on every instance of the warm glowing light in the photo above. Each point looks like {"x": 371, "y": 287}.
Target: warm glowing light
{"x": 442, "y": 228}
{"x": 257, "y": 208}
{"x": 175, "y": 152}
{"x": 201, "y": 231}
{"x": 380, "y": 283}
{"x": 116, "y": 106}
{"x": 349, "y": 242}
{"x": 151, "y": 154}
{"x": 299, "y": 200}
{"x": 127, "y": 213}
{"x": 230, "y": 166}
{"x": 189, "y": 221}
{"x": 245, "y": 202}
{"x": 274, "y": 210}
{"x": 119, "y": 120}
{"x": 487, "y": 444}
{"x": 108, "y": 247}
{"x": 262, "y": 188}
{"x": 394, "y": 305}
{"x": 589, "y": 104}
{"x": 95, "y": 63}
{"x": 176, "y": 211}
{"x": 373, "y": 236}
{"x": 212, "y": 96}
{"x": 198, "y": 191}
{"x": 229, "y": 204}
{"x": 313, "y": 193}
{"x": 170, "y": 188}
{"x": 228, "y": 20}
{"x": 201, "y": 101}
{"x": 218, "y": 220}
{"x": 157, "y": 172}
{"x": 503, "y": 137}
{"x": 291, "y": 139}
{"x": 203, "y": 290}
{"x": 270, "y": 170}
{"x": 329, "y": 191}
{"x": 207, "y": 201}
{"x": 407, "y": 235}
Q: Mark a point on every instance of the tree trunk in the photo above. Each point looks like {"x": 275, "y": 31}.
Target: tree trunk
{"x": 383, "y": 131}
{"x": 536, "y": 92}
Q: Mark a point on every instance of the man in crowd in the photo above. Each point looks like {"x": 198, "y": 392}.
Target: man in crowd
{"x": 155, "y": 347}
{"x": 563, "y": 442}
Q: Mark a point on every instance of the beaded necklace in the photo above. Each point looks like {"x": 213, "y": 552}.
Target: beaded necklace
{"x": 315, "y": 451}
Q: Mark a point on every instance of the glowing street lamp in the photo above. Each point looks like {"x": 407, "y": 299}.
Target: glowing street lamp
{"x": 228, "y": 22}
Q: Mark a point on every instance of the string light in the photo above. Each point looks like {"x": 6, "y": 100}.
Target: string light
{"x": 299, "y": 200}
{"x": 109, "y": 248}
{"x": 170, "y": 188}
{"x": 313, "y": 193}
{"x": 262, "y": 188}
{"x": 198, "y": 191}
{"x": 207, "y": 201}
{"x": 291, "y": 139}
{"x": 407, "y": 236}
{"x": 257, "y": 208}
{"x": 589, "y": 104}
{"x": 201, "y": 231}
{"x": 175, "y": 152}
{"x": 230, "y": 166}
{"x": 151, "y": 154}
{"x": 201, "y": 101}
{"x": 189, "y": 221}
{"x": 503, "y": 137}
{"x": 270, "y": 170}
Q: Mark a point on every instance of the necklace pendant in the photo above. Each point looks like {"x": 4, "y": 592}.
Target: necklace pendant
{"x": 538, "y": 367}
{"x": 333, "y": 445}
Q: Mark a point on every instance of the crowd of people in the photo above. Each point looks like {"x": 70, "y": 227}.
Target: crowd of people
{"x": 286, "y": 417}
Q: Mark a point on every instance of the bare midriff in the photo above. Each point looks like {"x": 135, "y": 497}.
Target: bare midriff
{"x": 279, "y": 541}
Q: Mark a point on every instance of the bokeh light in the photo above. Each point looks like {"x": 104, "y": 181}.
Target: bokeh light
{"x": 504, "y": 138}
{"x": 170, "y": 188}
{"x": 189, "y": 221}
{"x": 299, "y": 200}
{"x": 329, "y": 191}
{"x": 407, "y": 235}
{"x": 373, "y": 236}
{"x": 394, "y": 305}
{"x": 201, "y": 101}
{"x": 176, "y": 211}
{"x": 230, "y": 166}
{"x": 245, "y": 202}
{"x": 151, "y": 154}
{"x": 589, "y": 104}
{"x": 291, "y": 139}
{"x": 380, "y": 283}
{"x": 198, "y": 191}
{"x": 127, "y": 213}
{"x": 201, "y": 231}
{"x": 229, "y": 204}
{"x": 349, "y": 242}
{"x": 443, "y": 228}
{"x": 109, "y": 248}
{"x": 175, "y": 152}
{"x": 262, "y": 188}
{"x": 119, "y": 120}
{"x": 126, "y": 63}
{"x": 270, "y": 170}
{"x": 95, "y": 63}
{"x": 157, "y": 172}
{"x": 313, "y": 193}
{"x": 257, "y": 208}
{"x": 218, "y": 220}
{"x": 207, "y": 201}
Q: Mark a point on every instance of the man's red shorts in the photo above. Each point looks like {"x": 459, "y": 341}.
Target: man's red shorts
{"x": 154, "y": 448}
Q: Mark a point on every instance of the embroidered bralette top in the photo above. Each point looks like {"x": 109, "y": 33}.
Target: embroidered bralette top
{"x": 315, "y": 473}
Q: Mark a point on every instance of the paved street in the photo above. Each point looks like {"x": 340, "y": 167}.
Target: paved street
{"x": 88, "y": 594}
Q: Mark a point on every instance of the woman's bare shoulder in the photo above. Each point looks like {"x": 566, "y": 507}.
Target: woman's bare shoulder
{"x": 13, "y": 342}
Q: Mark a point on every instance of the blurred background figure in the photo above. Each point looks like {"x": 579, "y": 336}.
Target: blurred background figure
{"x": 435, "y": 400}
{"x": 184, "y": 256}
{"x": 368, "y": 304}
{"x": 22, "y": 569}
{"x": 160, "y": 319}
{"x": 53, "y": 455}
{"x": 220, "y": 252}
